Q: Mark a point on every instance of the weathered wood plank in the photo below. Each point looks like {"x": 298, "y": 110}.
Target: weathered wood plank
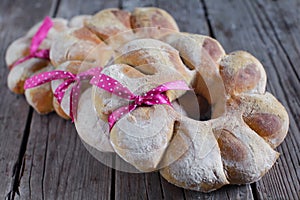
{"x": 189, "y": 15}
{"x": 57, "y": 164}
{"x": 14, "y": 113}
{"x": 130, "y": 185}
{"x": 171, "y": 191}
{"x": 131, "y": 4}
{"x": 227, "y": 192}
{"x": 252, "y": 27}
{"x": 192, "y": 17}
{"x": 283, "y": 17}
{"x": 70, "y": 8}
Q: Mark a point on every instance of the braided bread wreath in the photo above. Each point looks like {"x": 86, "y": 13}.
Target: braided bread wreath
{"x": 142, "y": 50}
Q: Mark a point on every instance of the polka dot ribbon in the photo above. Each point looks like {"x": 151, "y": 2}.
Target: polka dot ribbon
{"x": 152, "y": 97}
{"x": 36, "y": 41}
{"x": 69, "y": 78}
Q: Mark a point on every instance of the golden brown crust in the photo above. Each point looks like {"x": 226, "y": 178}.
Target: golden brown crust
{"x": 20, "y": 49}
{"x": 152, "y": 17}
{"x": 152, "y": 23}
{"x": 242, "y": 72}
{"x": 79, "y": 44}
{"x": 202, "y": 59}
{"x": 234, "y": 147}
{"x": 40, "y": 97}
{"x": 16, "y": 50}
{"x": 59, "y": 111}
{"x": 266, "y": 116}
{"x": 109, "y": 22}
{"x": 22, "y": 71}
{"x": 265, "y": 124}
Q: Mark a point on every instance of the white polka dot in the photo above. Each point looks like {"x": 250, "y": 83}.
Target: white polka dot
{"x": 107, "y": 79}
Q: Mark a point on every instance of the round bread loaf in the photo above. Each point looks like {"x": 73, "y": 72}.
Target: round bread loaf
{"x": 235, "y": 146}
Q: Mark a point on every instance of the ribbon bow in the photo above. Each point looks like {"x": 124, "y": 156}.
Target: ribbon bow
{"x": 152, "y": 97}
{"x": 69, "y": 78}
{"x": 36, "y": 41}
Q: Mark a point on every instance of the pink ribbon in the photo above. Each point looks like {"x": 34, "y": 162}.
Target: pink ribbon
{"x": 69, "y": 78}
{"x": 152, "y": 97}
{"x": 36, "y": 40}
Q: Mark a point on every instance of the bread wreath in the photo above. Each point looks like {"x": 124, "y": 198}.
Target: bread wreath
{"x": 235, "y": 146}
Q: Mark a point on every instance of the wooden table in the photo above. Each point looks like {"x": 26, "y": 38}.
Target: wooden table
{"x": 43, "y": 158}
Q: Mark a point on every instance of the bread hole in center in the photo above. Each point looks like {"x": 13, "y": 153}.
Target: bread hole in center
{"x": 206, "y": 101}
{"x": 194, "y": 106}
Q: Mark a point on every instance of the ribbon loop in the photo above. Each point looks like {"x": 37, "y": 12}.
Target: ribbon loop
{"x": 153, "y": 97}
{"x": 36, "y": 41}
{"x": 69, "y": 78}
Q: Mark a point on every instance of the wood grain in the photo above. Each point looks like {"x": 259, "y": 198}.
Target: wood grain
{"x": 15, "y": 113}
{"x": 190, "y": 16}
{"x": 195, "y": 20}
{"x": 256, "y": 29}
{"x": 57, "y": 166}
{"x": 129, "y": 185}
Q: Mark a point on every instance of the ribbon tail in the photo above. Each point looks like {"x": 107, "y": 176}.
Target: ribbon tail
{"x": 71, "y": 105}
{"x": 41, "y": 34}
{"x": 74, "y": 98}
{"x": 120, "y": 112}
{"x": 61, "y": 89}
{"x": 22, "y": 60}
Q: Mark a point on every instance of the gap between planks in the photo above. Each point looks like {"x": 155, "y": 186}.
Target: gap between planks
{"x": 19, "y": 164}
